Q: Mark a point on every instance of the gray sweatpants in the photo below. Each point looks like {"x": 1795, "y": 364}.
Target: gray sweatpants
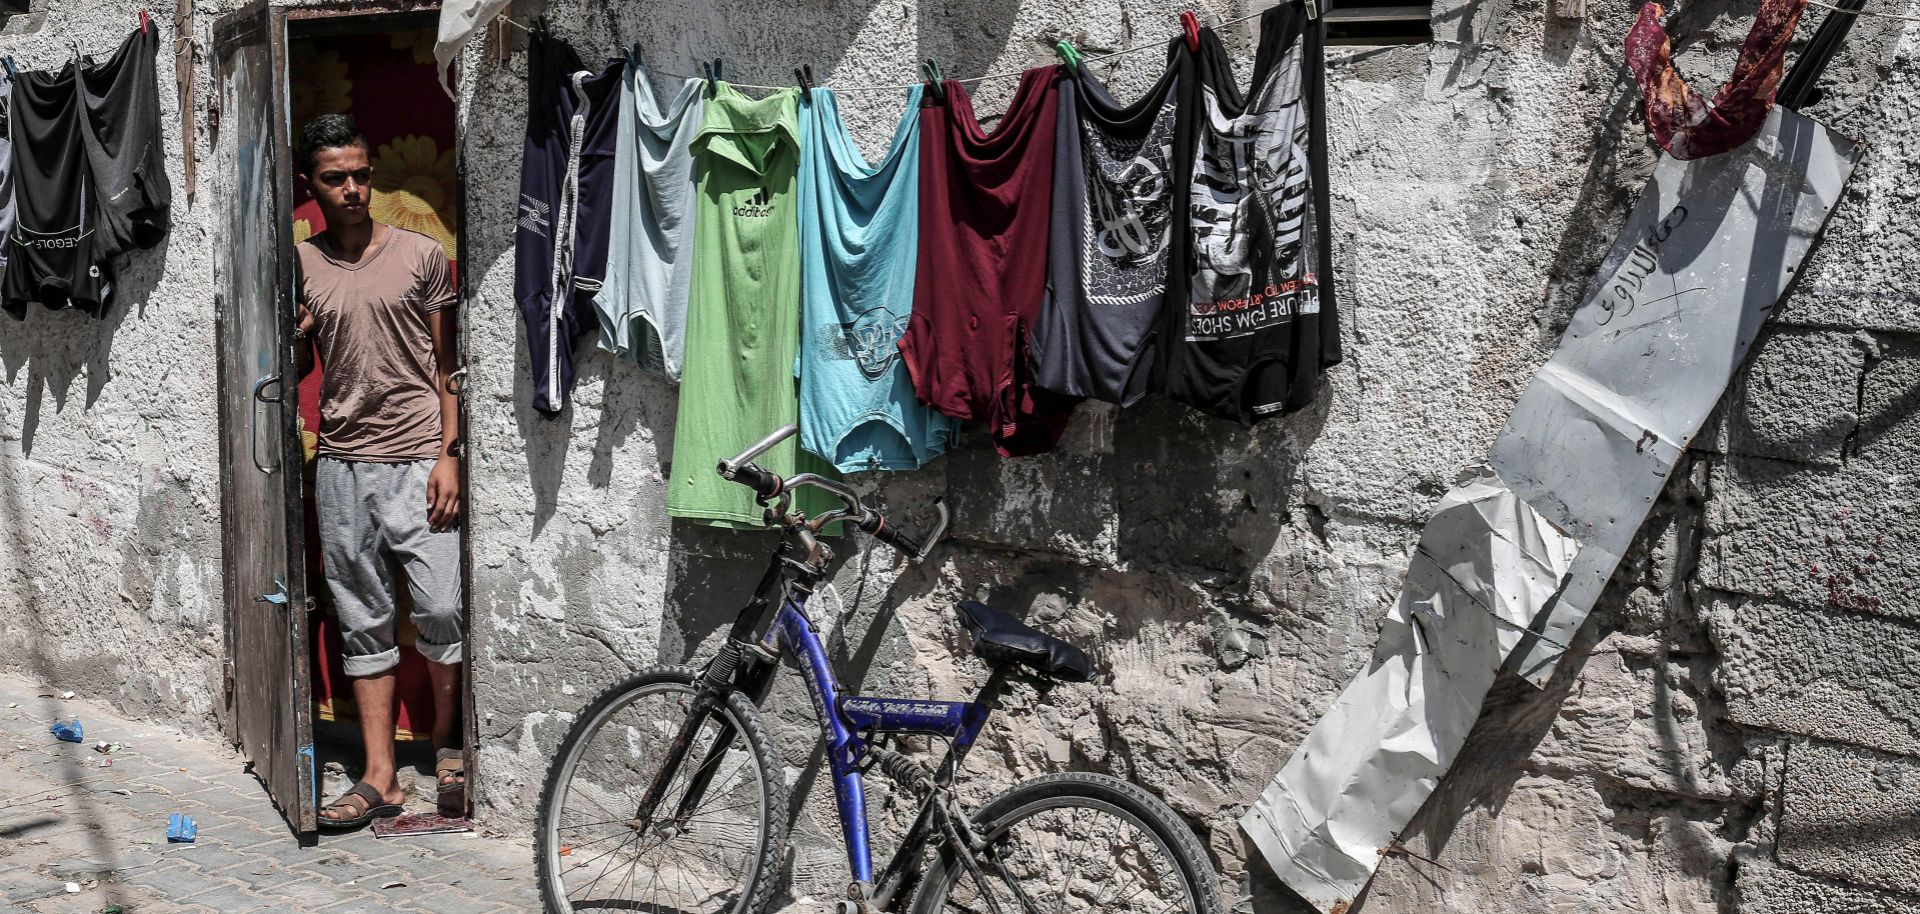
{"x": 372, "y": 515}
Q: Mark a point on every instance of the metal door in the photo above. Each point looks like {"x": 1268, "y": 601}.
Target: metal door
{"x": 268, "y": 704}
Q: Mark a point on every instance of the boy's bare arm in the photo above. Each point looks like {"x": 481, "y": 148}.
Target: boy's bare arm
{"x": 443, "y": 486}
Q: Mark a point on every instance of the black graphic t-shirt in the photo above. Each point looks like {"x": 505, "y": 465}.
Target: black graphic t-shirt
{"x": 55, "y": 256}
{"x": 1107, "y": 256}
{"x": 121, "y": 132}
{"x": 1250, "y": 323}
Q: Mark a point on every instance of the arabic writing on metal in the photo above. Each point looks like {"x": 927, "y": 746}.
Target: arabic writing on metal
{"x": 1642, "y": 262}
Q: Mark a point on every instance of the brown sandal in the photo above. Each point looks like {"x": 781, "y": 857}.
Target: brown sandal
{"x": 363, "y": 803}
{"x": 450, "y": 763}
{"x": 450, "y": 770}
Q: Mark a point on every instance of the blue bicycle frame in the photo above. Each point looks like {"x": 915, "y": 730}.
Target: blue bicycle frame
{"x": 846, "y": 721}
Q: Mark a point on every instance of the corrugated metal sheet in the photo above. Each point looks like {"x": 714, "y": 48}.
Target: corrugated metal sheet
{"x": 1513, "y": 559}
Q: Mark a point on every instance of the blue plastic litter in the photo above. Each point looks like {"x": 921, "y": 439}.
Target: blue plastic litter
{"x": 181, "y": 829}
{"x": 69, "y": 730}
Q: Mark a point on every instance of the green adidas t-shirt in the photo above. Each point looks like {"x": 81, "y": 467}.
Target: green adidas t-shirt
{"x": 743, "y": 313}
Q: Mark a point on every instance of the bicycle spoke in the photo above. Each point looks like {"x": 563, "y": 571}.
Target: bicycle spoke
{"x": 1071, "y": 855}
{"x": 743, "y": 804}
{"x": 577, "y": 825}
{"x": 575, "y": 848}
{"x": 654, "y": 881}
{"x": 597, "y": 804}
{"x": 701, "y": 863}
{"x": 603, "y": 870}
{"x": 618, "y": 886}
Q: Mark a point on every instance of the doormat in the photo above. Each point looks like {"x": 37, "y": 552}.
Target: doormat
{"x": 419, "y": 823}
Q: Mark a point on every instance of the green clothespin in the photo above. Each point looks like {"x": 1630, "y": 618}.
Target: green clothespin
{"x": 932, "y": 70}
{"x": 1068, "y": 54}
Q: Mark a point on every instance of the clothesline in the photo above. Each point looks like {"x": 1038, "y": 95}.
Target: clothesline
{"x": 1841, "y": 9}
{"x": 902, "y": 87}
{"x": 1011, "y": 74}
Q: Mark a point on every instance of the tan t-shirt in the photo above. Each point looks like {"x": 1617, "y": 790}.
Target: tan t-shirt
{"x": 378, "y": 399}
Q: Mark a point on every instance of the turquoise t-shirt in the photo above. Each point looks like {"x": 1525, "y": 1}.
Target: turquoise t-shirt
{"x": 859, "y": 238}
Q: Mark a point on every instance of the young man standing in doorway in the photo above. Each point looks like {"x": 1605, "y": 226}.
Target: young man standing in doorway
{"x": 377, "y": 301}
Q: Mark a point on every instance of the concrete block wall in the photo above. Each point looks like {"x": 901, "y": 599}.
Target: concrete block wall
{"x": 110, "y": 558}
{"x": 1737, "y": 733}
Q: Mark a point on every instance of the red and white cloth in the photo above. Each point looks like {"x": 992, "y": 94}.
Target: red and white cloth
{"x": 1682, "y": 120}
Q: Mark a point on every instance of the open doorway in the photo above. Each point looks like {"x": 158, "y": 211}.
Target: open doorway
{"x": 287, "y": 699}
{"x": 379, "y": 71}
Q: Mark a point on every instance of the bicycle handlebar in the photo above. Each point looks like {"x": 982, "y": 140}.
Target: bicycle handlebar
{"x": 914, "y": 548}
{"x": 767, "y": 486}
{"x": 730, "y": 466}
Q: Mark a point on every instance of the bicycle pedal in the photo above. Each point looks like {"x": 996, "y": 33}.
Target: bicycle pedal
{"x": 856, "y": 900}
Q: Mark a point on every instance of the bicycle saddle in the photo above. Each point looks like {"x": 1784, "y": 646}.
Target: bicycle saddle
{"x": 999, "y": 638}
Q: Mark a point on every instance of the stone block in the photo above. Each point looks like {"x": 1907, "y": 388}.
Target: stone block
{"x": 1844, "y": 677}
{"x": 1842, "y": 539}
{"x": 1768, "y": 888}
{"x": 1797, "y": 399}
{"x": 1852, "y": 815}
{"x": 1871, "y": 235}
{"x": 1635, "y": 716}
{"x": 1060, "y": 502}
{"x": 1888, "y": 438}
{"x": 1542, "y": 844}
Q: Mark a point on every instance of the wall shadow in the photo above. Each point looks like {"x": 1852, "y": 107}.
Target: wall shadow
{"x": 55, "y": 348}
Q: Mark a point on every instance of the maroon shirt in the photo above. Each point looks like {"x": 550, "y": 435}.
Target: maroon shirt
{"x": 984, "y": 216}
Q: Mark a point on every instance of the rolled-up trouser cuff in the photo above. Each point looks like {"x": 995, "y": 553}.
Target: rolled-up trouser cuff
{"x": 441, "y": 653}
{"x": 373, "y": 664}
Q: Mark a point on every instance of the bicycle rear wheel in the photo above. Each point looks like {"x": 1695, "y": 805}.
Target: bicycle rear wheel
{"x": 1071, "y": 843}
{"x": 719, "y": 856}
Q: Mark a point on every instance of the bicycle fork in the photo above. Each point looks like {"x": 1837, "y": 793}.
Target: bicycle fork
{"x": 721, "y": 677}
{"x": 736, "y": 667}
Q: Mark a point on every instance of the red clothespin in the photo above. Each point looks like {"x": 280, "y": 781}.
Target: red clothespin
{"x": 1191, "y": 23}
{"x": 146, "y": 21}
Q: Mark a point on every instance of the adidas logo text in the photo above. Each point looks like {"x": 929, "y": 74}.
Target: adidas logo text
{"x": 757, "y": 206}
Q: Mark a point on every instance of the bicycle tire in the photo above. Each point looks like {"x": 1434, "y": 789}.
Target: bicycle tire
{"x": 765, "y": 862}
{"x": 1078, "y": 789}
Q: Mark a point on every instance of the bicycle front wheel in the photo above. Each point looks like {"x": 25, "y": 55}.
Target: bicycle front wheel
{"x": 717, "y": 853}
{"x": 1071, "y": 843}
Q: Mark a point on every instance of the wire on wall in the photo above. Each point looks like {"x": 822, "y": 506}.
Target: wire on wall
{"x": 902, "y": 87}
{"x": 1841, "y": 9}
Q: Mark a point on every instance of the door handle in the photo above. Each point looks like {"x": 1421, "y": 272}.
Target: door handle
{"x": 253, "y": 429}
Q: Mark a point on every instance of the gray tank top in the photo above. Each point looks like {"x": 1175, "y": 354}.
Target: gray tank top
{"x": 643, "y": 301}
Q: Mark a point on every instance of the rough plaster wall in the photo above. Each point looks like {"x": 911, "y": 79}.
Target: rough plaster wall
{"x": 1752, "y": 665}
{"x": 1231, "y": 579}
{"x": 110, "y": 566}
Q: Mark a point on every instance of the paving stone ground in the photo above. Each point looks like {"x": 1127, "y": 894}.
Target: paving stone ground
{"x": 64, "y": 818}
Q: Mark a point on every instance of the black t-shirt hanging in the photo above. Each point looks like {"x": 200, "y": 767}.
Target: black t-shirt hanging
{"x": 55, "y": 256}
{"x": 122, "y": 136}
{"x": 1112, "y": 224}
{"x": 1250, "y": 322}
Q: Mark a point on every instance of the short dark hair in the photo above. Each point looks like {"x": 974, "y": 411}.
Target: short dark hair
{"x": 328, "y": 131}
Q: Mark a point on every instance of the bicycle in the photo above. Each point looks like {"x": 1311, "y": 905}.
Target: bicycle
{"x": 683, "y": 797}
